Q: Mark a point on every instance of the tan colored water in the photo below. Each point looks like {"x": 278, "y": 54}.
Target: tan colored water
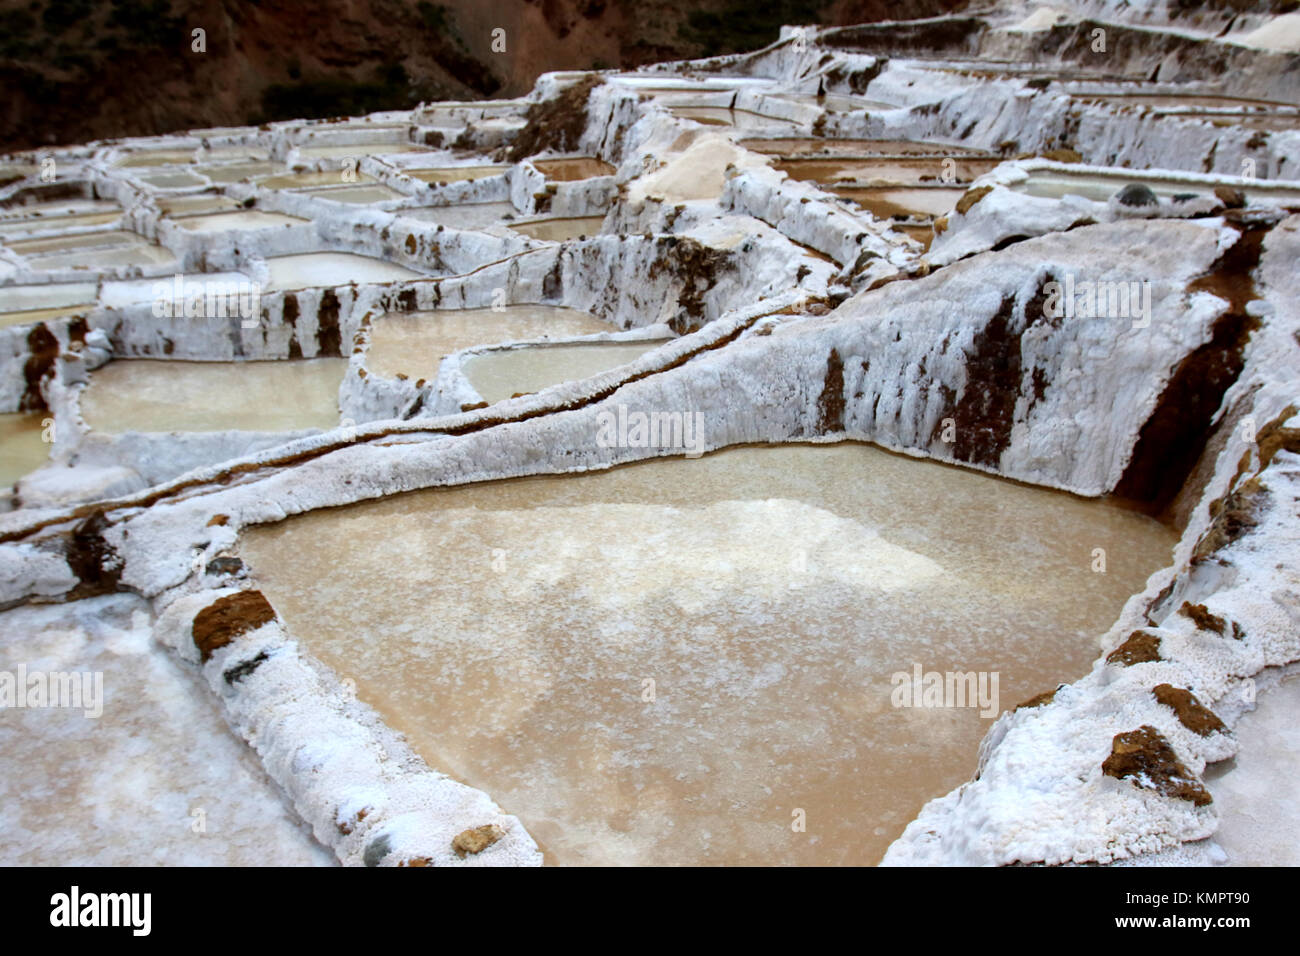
{"x": 721, "y": 116}
{"x": 455, "y": 174}
{"x": 177, "y": 206}
{"x": 914, "y": 170}
{"x": 466, "y": 216}
{"x": 145, "y": 395}
{"x": 357, "y": 149}
{"x": 573, "y": 169}
{"x": 357, "y": 195}
{"x": 415, "y": 344}
{"x": 510, "y": 629}
{"x": 886, "y": 202}
{"x": 236, "y": 172}
{"x": 560, "y": 229}
{"x": 20, "y": 227}
{"x": 88, "y": 240}
{"x": 34, "y": 303}
{"x": 799, "y": 146}
{"x": 328, "y": 177}
{"x": 502, "y": 374}
{"x": 22, "y": 445}
{"x": 180, "y": 179}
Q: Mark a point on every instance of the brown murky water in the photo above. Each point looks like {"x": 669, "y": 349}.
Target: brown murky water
{"x": 414, "y": 344}
{"x": 145, "y": 395}
{"x": 670, "y": 662}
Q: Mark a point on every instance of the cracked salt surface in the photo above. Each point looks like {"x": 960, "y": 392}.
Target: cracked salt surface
{"x": 770, "y": 593}
{"x": 123, "y": 789}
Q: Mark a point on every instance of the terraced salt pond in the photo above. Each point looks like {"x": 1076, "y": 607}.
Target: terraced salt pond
{"x": 1054, "y": 184}
{"x": 888, "y": 169}
{"x": 512, "y": 631}
{"x": 722, "y": 116}
{"x": 415, "y": 344}
{"x": 455, "y": 174}
{"x": 22, "y": 445}
{"x": 243, "y": 219}
{"x": 466, "y": 216}
{"x": 36, "y": 303}
{"x": 559, "y": 229}
{"x": 504, "y": 373}
{"x": 331, "y": 268}
{"x": 145, "y": 395}
{"x": 885, "y": 202}
{"x": 573, "y": 169}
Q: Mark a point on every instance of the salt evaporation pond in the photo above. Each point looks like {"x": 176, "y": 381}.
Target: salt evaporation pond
{"x": 243, "y": 219}
{"x": 455, "y": 174}
{"x": 147, "y": 395}
{"x": 503, "y": 373}
{"x": 331, "y": 268}
{"x": 1054, "y": 184}
{"x": 22, "y": 445}
{"x": 22, "y": 304}
{"x": 511, "y": 630}
{"x": 414, "y": 344}
{"x": 885, "y": 202}
{"x": 573, "y": 169}
{"x": 465, "y": 216}
{"x": 722, "y": 116}
{"x": 355, "y": 195}
{"x": 560, "y": 229}
{"x": 891, "y": 169}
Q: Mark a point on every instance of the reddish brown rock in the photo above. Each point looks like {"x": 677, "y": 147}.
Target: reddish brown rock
{"x": 227, "y": 618}
{"x": 476, "y": 840}
{"x": 1191, "y": 713}
{"x": 1140, "y": 648}
{"x": 1146, "y": 758}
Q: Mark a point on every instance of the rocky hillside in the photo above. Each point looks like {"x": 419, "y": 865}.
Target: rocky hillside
{"x": 76, "y": 70}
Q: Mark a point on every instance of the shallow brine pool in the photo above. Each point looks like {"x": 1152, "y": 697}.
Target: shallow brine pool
{"x": 504, "y": 373}
{"x": 679, "y": 661}
{"x": 415, "y": 344}
{"x": 22, "y": 444}
{"x": 331, "y": 268}
{"x": 145, "y": 395}
{"x": 560, "y": 229}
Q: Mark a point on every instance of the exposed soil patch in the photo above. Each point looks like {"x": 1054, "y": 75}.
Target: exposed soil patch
{"x": 984, "y": 413}
{"x": 830, "y": 404}
{"x": 1172, "y": 439}
{"x": 42, "y": 353}
{"x": 555, "y": 124}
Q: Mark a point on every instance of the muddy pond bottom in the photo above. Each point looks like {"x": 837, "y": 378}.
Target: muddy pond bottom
{"x": 678, "y": 661}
